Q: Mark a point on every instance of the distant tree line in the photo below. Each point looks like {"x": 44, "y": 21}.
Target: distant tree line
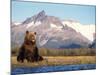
{"x": 62, "y": 52}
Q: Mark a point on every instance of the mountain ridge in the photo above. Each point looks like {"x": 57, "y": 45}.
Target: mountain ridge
{"x": 51, "y": 32}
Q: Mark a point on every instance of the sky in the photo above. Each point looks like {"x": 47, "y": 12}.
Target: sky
{"x": 84, "y": 14}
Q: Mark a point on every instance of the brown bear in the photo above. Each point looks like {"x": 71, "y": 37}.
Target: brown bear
{"x": 29, "y": 50}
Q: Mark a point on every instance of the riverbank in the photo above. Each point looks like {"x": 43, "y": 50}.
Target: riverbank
{"x": 56, "y": 60}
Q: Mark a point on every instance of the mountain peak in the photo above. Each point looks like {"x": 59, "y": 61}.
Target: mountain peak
{"x": 41, "y": 13}
{"x": 40, "y": 16}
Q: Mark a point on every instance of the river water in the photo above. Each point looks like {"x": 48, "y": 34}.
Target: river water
{"x": 44, "y": 69}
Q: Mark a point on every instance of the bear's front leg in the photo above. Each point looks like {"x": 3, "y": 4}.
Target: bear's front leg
{"x": 21, "y": 55}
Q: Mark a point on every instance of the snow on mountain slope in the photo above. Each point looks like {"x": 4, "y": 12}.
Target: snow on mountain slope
{"x": 32, "y": 24}
{"x": 55, "y": 26}
{"x": 51, "y": 32}
{"x": 86, "y": 30}
{"x": 17, "y": 23}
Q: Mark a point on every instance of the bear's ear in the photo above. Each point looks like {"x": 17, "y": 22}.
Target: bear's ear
{"x": 35, "y": 33}
{"x": 27, "y": 32}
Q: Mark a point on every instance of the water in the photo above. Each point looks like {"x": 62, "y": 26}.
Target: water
{"x": 26, "y": 70}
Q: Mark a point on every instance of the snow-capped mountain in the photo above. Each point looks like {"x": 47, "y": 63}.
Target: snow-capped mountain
{"x": 51, "y": 32}
{"x": 15, "y": 23}
{"x": 86, "y": 30}
{"x": 93, "y": 44}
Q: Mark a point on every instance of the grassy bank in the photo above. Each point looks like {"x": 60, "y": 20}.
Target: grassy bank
{"x": 56, "y": 60}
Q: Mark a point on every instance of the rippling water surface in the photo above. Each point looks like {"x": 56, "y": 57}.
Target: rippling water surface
{"x": 25, "y": 70}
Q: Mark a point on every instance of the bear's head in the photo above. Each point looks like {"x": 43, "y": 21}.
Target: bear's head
{"x": 30, "y": 37}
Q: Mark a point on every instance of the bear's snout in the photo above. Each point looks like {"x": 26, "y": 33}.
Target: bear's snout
{"x": 33, "y": 41}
